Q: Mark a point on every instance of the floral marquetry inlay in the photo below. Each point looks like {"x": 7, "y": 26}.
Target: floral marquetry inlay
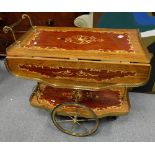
{"x": 80, "y": 39}
{"x": 105, "y": 41}
{"x": 107, "y": 98}
{"x": 68, "y": 72}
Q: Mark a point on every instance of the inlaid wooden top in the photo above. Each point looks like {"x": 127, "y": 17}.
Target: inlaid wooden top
{"x": 82, "y": 43}
{"x": 83, "y": 40}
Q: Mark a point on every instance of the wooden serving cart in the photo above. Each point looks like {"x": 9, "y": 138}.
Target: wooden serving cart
{"x": 84, "y": 74}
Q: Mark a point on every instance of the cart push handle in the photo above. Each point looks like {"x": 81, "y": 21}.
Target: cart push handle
{"x": 6, "y": 29}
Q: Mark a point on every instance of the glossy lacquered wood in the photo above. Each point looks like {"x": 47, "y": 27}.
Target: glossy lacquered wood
{"x": 81, "y": 74}
{"x": 77, "y": 43}
{"x": 109, "y": 102}
{"x": 101, "y": 63}
{"x": 78, "y": 58}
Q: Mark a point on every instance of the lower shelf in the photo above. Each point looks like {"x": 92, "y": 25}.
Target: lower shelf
{"x": 108, "y": 102}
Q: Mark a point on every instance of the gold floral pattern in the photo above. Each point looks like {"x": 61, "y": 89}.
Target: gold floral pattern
{"x": 68, "y": 72}
{"x": 80, "y": 39}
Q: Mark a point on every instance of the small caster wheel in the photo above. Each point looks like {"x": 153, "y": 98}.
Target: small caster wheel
{"x": 112, "y": 118}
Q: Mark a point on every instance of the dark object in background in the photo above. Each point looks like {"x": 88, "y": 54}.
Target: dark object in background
{"x": 153, "y": 13}
{"x": 58, "y": 19}
{"x": 149, "y": 85}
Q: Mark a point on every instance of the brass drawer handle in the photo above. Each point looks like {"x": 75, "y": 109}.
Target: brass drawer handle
{"x": 6, "y": 29}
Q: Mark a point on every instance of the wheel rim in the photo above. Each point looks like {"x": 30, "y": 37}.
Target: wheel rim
{"x": 76, "y": 119}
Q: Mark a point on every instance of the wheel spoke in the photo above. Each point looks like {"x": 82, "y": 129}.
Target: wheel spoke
{"x": 84, "y": 127}
{"x": 77, "y": 123}
{"x": 66, "y": 114}
{"x": 71, "y": 117}
{"x": 62, "y": 121}
{"x": 84, "y": 120}
{"x": 73, "y": 127}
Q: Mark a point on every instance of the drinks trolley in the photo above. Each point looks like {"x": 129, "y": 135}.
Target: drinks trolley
{"x": 83, "y": 74}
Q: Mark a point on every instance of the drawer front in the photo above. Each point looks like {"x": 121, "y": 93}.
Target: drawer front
{"x": 83, "y": 74}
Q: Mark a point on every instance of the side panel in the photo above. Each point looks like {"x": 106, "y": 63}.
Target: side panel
{"x": 82, "y": 74}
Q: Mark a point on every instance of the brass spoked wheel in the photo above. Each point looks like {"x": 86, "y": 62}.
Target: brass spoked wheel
{"x": 75, "y": 119}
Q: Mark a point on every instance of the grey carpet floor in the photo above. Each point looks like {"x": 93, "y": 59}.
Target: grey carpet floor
{"x": 21, "y": 122}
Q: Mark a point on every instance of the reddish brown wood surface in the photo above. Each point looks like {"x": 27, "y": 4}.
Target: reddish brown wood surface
{"x": 78, "y": 57}
{"x": 84, "y": 74}
{"x": 83, "y": 40}
{"x": 79, "y": 43}
{"x": 93, "y": 99}
{"x": 111, "y": 101}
